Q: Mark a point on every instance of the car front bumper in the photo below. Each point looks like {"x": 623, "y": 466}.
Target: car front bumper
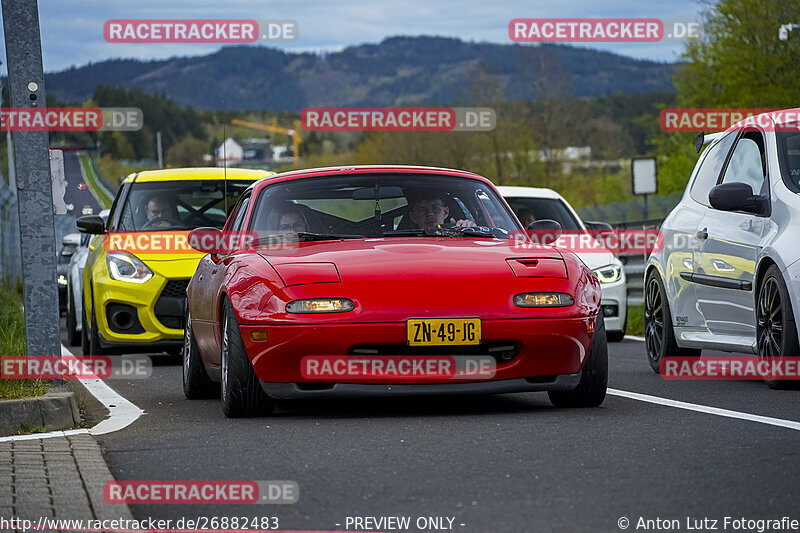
{"x": 291, "y": 391}
{"x": 543, "y": 349}
{"x": 615, "y": 295}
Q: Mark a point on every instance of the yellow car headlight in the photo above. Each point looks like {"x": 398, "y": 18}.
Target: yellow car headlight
{"x": 62, "y": 279}
{"x": 609, "y": 274}
{"x": 123, "y": 266}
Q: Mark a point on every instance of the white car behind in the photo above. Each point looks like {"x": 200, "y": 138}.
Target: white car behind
{"x": 548, "y": 204}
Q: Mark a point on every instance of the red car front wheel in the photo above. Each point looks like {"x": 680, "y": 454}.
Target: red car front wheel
{"x": 242, "y": 394}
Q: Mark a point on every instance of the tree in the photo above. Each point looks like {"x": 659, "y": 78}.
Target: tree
{"x": 740, "y": 62}
{"x": 188, "y": 152}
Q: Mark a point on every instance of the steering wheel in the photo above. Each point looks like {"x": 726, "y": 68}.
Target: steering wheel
{"x": 170, "y": 222}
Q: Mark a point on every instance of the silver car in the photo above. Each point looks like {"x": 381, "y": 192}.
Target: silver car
{"x": 728, "y": 276}
{"x": 74, "y": 283}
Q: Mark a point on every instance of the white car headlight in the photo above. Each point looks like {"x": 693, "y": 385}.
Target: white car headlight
{"x": 123, "y": 266}
{"x": 609, "y": 274}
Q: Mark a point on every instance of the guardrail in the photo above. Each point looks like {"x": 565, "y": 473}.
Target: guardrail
{"x": 634, "y": 264}
{"x": 10, "y": 252}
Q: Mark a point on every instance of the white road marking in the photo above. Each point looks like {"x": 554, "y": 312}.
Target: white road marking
{"x": 634, "y": 338}
{"x": 789, "y": 424}
{"x": 727, "y": 413}
{"x": 123, "y": 413}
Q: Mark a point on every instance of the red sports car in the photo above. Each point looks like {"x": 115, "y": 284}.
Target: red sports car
{"x": 391, "y": 280}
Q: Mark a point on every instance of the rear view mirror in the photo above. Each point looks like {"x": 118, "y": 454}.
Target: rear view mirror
{"x": 377, "y": 193}
{"x": 92, "y": 224}
{"x": 207, "y": 240}
{"x": 734, "y": 196}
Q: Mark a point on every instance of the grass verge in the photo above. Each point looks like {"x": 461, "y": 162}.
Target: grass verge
{"x": 93, "y": 182}
{"x": 12, "y": 342}
{"x": 636, "y": 320}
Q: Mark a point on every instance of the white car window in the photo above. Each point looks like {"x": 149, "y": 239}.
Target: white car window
{"x": 746, "y": 164}
{"x": 710, "y": 168}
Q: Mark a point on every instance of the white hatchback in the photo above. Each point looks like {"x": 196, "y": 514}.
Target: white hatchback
{"x": 728, "y": 276}
{"x": 548, "y": 204}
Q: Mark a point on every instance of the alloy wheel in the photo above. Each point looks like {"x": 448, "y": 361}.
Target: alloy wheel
{"x": 770, "y": 320}
{"x": 654, "y": 320}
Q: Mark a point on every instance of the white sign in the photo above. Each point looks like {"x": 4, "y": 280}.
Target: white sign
{"x": 644, "y": 176}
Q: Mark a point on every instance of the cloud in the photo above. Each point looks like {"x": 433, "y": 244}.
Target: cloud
{"x": 72, "y": 31}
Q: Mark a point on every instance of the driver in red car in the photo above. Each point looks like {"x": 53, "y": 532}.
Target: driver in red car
{"x": 431, "y": 211}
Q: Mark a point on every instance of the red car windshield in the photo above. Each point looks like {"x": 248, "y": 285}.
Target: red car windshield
{"x": 381, "y": 205}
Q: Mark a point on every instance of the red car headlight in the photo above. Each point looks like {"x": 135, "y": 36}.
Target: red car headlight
{"x": 320, "y": 305}
{"x": 543, "y": 299}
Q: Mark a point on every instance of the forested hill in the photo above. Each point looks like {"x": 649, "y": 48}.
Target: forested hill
{"x": 397, "y": 71}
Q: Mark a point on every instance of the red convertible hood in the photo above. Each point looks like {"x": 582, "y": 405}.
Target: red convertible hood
{"x": 402, "y": 259}
{"x": 396, "y": 279}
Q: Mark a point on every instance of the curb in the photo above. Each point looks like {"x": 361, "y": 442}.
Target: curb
{"x": 54, "y": 411}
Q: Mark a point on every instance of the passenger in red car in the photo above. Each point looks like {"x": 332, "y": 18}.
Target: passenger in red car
{"x": 292, "y": 222}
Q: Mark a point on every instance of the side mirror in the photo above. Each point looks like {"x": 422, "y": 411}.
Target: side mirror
{"x": 92, "y": 224}
{"x": 71, "y": 239}
{"x": 207, "y": 240}
{"x": 734, "y": 197}
{"x": 545, "y": 230}
{"x": 604, "y": 228}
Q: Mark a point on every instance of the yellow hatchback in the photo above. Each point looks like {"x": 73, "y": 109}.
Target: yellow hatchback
{"x": 139, "y": 264}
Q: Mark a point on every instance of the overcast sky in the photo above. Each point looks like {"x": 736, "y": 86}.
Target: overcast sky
{"x": 72, "y": 30}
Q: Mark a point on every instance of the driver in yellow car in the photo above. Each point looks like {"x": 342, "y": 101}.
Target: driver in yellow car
{"x": 160, "y": 207}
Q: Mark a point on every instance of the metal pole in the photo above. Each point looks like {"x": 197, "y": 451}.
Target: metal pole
{"x": 34, "y": 191}
{"x": 160, "y": 153}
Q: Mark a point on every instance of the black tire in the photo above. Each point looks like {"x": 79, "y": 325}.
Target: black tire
{"x": 659, "y": 335}
{"x": 73, "y": 337}
{"x": 776, "y": 329}
{"x": 84, "y": 331}
{"x": 591, "y": 390}
{"x": 196, "y": 383}
{"x": 94, "y": 338}
{"x": 241, "y": 392}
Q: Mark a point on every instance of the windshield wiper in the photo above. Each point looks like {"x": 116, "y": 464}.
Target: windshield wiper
{"x": 305, "y": 236}
{"x": 407, "y": 233}
{"x": 474, "y": 231}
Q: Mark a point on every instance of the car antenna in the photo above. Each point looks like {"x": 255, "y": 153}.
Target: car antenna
{"x": 224, "y": 161}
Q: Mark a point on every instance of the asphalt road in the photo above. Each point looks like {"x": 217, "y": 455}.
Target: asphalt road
{"x": 496, "y": 463}
{"x": 80, "y": 199}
